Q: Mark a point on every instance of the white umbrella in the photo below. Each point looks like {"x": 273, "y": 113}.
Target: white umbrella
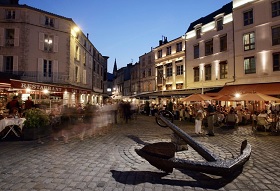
{"x": 197, "y": 97}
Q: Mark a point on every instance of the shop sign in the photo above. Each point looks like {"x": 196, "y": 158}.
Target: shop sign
{"x": 41, "y": 87}
{"x": 34, "y": 86}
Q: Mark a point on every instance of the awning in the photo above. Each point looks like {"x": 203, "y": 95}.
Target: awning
{"x": 265, "y": 88}
{"x": 169, "y": 93}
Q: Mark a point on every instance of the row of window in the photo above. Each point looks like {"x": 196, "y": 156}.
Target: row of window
{"x": 47, "y": 21}
{"x": 249, "y": 68}
{"x": 46, "y": 69}
{"x": 248, "y": 17}
{"x": 169, "y": 50}
{"x": 209, "y": 47}
{"x": 147, "y": 73}
{"x": 207, "y": 72}
{"x": 219, "y": 27}
{"x": 169, "y": 86}
{"x": 248, "y": 42}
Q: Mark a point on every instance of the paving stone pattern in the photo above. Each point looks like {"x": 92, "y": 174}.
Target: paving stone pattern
{"x": 108, "y": 162}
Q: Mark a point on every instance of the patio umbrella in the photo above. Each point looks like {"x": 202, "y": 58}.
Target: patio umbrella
{"x": 197, "y": 97}
{"x": 255, "y": 97}
{"x": 223, "y": 98}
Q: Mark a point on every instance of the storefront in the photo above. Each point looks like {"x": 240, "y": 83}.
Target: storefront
{"x": 46, "y": 95}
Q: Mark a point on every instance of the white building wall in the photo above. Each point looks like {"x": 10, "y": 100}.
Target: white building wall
{"x": 263, "y": 22}
{"x": 208, "y": 32}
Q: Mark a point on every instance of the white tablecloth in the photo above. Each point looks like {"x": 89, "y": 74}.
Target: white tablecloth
{"x": 11, "y": 121}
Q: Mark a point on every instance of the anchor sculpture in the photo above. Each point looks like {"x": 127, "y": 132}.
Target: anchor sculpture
{"x": 162, "y": 155}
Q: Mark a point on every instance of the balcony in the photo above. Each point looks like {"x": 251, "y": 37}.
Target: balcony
{"x": 34, "y": 76}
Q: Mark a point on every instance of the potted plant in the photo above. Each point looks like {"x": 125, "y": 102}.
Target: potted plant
{"x": 36, "y": 124}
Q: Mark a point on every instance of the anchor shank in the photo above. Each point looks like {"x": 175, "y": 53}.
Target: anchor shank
{"x": 205, "y": 153}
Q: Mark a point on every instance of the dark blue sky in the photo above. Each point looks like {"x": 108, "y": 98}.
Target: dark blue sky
{"x": 127, "y": 29}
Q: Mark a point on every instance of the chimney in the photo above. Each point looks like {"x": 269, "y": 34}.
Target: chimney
{"x": 165, "y": 40}
{"x": 87, "y": 35}
{"x": 160, "y": 42}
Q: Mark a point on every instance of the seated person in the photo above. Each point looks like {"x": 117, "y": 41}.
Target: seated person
{"x": 262, "y": 120}
{"x": 231, "y": 118}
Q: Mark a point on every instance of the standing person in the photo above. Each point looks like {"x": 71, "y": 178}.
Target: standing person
{"x": 126, "y": 111}
{"x": 210, "y": 118}
{"x": 29, "y": 103}
{"x": 198, "y": 120}
{"x": 13, "y": 104}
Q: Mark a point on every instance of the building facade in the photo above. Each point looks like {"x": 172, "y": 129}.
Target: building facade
{"x": 210, "y": 50}
{"x": 147, "y": 72}
{"x": 47, "y": 51}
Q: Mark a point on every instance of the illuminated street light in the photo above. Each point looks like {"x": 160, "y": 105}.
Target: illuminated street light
{"x": 45, "y": 91}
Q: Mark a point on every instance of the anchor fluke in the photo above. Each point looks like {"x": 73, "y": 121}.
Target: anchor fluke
{"x": 162, "y": 155}
{"x": 160, "y": 150}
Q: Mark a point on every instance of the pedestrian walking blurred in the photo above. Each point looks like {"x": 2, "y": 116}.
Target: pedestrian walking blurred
{"x": 198, "y": 120}
{"x": 126, "y": 111}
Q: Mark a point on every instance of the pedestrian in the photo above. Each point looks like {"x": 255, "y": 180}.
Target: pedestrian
{"x": 198, "y": 120}
{"x": 126, "y": 111}
{"x": 210, "y": 118}
{"x": 13, "y": 105}
{"x": 28, "y": 103}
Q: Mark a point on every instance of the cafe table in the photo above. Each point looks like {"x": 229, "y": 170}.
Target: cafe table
{"x": 11, "y": 123}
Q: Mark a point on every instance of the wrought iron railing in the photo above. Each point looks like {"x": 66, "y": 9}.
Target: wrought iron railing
{"x": 34, "y": 76}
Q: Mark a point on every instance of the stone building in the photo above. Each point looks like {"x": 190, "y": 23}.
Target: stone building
{"x": 49, "y": 52}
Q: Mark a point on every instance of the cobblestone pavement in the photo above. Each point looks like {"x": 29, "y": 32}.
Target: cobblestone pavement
{"x": 109, "y": 162}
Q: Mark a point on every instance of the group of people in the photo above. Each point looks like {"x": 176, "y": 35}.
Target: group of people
{"x": 17, "y": 110}
{"x": 211, "y": 115}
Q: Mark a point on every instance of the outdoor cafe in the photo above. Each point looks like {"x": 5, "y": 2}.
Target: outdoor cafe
{"x": 260, "y": 110}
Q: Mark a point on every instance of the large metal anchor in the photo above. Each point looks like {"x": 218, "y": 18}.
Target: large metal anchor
{"x": 162, "y": 155}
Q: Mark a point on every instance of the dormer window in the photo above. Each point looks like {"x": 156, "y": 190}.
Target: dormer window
{"x": 10, "y": 14}
{"x": 219, "y": 24}
{"x": 160, "y": 54}
{"x": 49, "y": 21}
{"x": 168, "y": 50}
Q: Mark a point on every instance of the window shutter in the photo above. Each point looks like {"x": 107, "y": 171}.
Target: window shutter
{"x": 17, "y": 14}
{"x": 56, "y": 24}
{"x": 90, "y": 61}
{"x": 55, "y": 44}
{"x": 84, "y": 76}
{"x": 55, "y": 71}
{"x": 1, "y": 36}
{"x": 43, "y": 19}
{"x": 1, "y": 63}
{"x": 79, "y": 54}
{"x": 78, "y": 75}
{"x": 15, "y": 64}
{"x": 40, "y": 69}
{"x": 41, "y": 41}
{"x": 16, "y": 39}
